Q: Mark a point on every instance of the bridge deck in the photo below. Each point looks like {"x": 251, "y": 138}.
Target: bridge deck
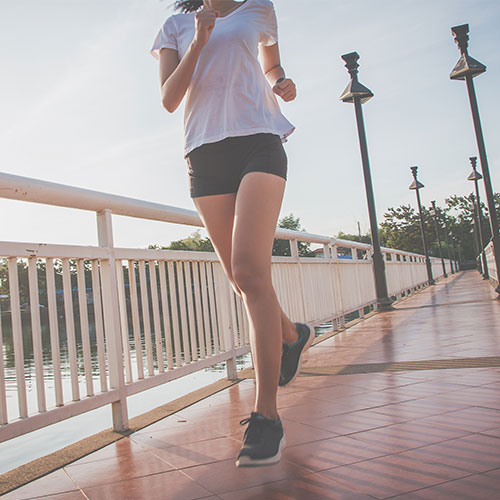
{"x": 405, "y": 404}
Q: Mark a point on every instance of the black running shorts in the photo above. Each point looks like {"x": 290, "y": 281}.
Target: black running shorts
{"x": 219, "y": 167}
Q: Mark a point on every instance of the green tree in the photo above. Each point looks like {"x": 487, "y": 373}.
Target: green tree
{"x": 282, "y": 247}
{"x": 194, "y": 242}
{"x": 364, "y": 238}
{"x": 401, "y": 227}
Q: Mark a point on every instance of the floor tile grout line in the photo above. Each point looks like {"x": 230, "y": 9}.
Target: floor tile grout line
{"x": 431, "y": 486}
{"x": 412, "y": 491}
{"x": 350, "y": 434}
{"x": 374, "y": 408}
{"x": 430, "y": 462}
{"x": 310, "y": 472}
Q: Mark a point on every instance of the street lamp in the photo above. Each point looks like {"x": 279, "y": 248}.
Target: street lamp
{"x": 416, "y": 186}
{"x": 466, "y": 69}
{"x": 357, "y": 93}
{"x": 438, "y": 236}
{"x": 476, "y": 176}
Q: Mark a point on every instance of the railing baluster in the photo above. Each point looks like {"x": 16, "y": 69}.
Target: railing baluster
{"x": 17, "y": 336}
{"x": 234, "y": 320}
{"x": 244, "y": 322}
{"x": 291, "y": 302}
{"x": 111, "y": 310}
{"x": 3, "y": 400}
{"x": 70, "y": 329}
{"x": 199, "y": 316}
{"x": 175, "y": 314}
{"x": 165, "y": 307}
{"x": 84, "y": 325}
{"x": 124, "y": 321}
{"x": 146, "y": 322}
{"x": 156, "y": 315}
{"x": 36, "y": 333}
{"x": 213, "y": 311}
{"x": 135, "y": 319}
{"x": 221, "y": 305}
{"x": 54, "y": 332}
{"x": 190, "y": 309}
{"x": 99, "y": 326}
{"x": 181, "y": 282}
{"x": 206, "y": 307}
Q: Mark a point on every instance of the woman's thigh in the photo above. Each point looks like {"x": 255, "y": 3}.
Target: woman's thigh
{"x": 217, "y": 214}
{"x": 258, "y": 204}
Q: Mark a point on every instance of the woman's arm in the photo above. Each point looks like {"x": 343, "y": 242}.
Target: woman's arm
{"x": 271, "y": 65}
{"x": 176, "y": 75}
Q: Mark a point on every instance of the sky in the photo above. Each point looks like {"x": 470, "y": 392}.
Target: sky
{"x": 80, "y": 105}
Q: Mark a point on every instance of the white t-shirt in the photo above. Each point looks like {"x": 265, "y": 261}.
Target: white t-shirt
{"x": 228, "y": 95}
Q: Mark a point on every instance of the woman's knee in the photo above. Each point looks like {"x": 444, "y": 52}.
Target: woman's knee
{"x": 249, "y": 279}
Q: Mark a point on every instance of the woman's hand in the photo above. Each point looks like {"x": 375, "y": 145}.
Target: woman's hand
{"x": 204, "y": 25}
{"x": 286, "y": 89}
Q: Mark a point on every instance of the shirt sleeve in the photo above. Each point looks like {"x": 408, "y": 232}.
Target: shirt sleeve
{"x": 269, "y": 34}
{"x": 166, "y": 38}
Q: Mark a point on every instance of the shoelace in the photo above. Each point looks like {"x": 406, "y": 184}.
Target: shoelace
{"x": 254, "y": 429}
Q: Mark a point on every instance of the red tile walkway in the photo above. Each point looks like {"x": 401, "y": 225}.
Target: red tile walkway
{"x": 355, "y": 429}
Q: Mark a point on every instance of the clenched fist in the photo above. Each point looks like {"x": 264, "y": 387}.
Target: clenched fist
{"x": 286, "y": 89}
{"x": 204, "y": 25}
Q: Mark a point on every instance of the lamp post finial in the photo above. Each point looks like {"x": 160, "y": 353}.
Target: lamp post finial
{"x": 461, "y": 34}
{"x": 351, "y": 63}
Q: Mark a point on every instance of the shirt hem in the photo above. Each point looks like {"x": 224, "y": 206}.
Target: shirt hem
{"x": 238, "y": 133}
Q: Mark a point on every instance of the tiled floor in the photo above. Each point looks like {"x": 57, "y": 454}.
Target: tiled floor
{"x": 415, "y": 434}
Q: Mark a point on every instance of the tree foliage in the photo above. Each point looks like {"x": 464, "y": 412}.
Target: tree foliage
{"x": 364, "y": 238}
{"x": 282, "y": 247}
{"x": 194, "y": 242}
{"x": 401, "y": 228}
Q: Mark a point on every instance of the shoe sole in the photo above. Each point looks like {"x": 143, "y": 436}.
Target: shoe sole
{"x": 306, "y": 347}
{"x": 262, "y": 462}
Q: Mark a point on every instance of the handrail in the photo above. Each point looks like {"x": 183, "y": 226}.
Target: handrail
{"x": 17, "y": 187}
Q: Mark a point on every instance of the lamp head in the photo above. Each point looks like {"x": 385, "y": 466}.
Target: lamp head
{"x": 475, "y": 175}
{"x": 415, "y": 185}
{"x": 466, "y": 65}
{"x": 355, "y": 88}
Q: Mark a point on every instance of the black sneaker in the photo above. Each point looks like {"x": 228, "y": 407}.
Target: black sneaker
{"x": 291, "y": 354}
{"x": 262, "y": 443}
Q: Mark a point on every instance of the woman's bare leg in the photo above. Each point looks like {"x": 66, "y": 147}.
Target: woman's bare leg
{"x": 217, "y": 214}
{"x": 258, "y": 203}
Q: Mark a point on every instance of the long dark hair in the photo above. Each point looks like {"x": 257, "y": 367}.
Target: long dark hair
{"x": 188, "y": 5}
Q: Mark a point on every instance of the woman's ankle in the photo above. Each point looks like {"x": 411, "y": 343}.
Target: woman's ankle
{"x": 290, "y": 334}
{"x": 270, "y": 414}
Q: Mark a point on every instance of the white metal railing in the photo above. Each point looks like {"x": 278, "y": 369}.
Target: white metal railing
{"x": 121, "y": 321}
{"x": 490, "y": 260}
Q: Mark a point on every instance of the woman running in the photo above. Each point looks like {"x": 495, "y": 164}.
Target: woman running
{"x": 234, "y": 130}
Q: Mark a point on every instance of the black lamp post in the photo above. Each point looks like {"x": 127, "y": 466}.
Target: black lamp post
{"x": 466, "y": 69}
{"x": 438, "y": 235}
{"x": 476, "y": 176}
{"x": 416, "y": 186}
{"x": 357, "y": 93}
